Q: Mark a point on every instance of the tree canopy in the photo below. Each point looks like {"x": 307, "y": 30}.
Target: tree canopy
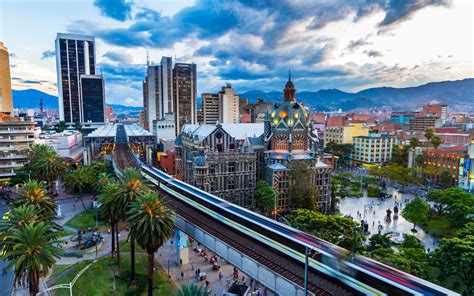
{"x": 264, "y": 195}
{"x": 416, "y": 211}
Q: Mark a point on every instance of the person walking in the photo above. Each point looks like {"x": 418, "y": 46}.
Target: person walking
{"x": 182, "y": 275}
{"x": 220, "y": 276}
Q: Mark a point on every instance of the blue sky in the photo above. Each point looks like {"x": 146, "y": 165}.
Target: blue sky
{"x": 350, "y": 45}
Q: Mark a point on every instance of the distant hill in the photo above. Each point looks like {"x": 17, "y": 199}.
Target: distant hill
{"x": 458, "y": 94}
{"x": 30, "y": 98}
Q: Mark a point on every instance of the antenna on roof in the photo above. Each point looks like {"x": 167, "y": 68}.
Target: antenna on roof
{"x": 147, "y": 58}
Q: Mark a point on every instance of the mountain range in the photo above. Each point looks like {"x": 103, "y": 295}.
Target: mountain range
{"x": 459, "y": 95}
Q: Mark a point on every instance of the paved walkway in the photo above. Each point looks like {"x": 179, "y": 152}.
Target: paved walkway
{"x": 167, "y": 258}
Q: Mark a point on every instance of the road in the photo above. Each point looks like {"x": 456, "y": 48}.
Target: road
{"x": 6, "y": 279}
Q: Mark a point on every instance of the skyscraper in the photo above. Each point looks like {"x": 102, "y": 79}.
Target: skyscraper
{"x": 6, "y": 104}
{"x": 210, "y": 108}
{"x": 229, "y": 105}
{"x": 158, "y": 91}
{"x": 75, "y": 56}
{"x": 166, "y": 87}
{"x": 152, "y": 95}
{"x": 93, "y": 99}
{"x": 184, "y": 87}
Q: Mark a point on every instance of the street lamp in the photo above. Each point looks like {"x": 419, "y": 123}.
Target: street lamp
{"x": 306, "y": 263}
{"x": 274, "y": 205}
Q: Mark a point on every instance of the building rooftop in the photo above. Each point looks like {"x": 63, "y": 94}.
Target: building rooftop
{"x": 133, "y": 130}
{"x": 108, "y": 130}
{"x": 239, "y": 131}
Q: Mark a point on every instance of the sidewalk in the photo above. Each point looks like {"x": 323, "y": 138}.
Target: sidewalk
{"x": 167, "y": 257}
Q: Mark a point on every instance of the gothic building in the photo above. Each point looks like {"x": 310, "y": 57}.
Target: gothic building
{"x": 228, "y": 159}
{"x": 220, "y": 159}
{"x": 289, "y": 142}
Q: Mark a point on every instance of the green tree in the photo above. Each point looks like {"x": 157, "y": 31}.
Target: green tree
{"x": 446, "y": 179}
{"x": 151, "y": 225}
{"x": 416, "y": 212}
{"x": 33, "y": 193}
{"x": 455, "y": 257}
{"x": 379, "y": 241}
{"x": 132, "y": 185}
{"x": 109, "y": 210}
{"x": 61, "y": 126}
{"x": 335, "y": 229}
{"x": 31, "y": 251}
{"x": 78, "y": 126}
{"x": 103, "y": 179}
{"x": 44, "y": 165}
{"x": 264, "y": 195}
{"x": 191, "y": 290}
{"x": 301, "y": 192}
{"x": 414, "y": 142}
{"x": 399, "y": 156}
{"x": 455, "y": 203}
{"x": 80, "y": 180}
{"x": 429, "y": 133}
{"x": 436, "y": 142}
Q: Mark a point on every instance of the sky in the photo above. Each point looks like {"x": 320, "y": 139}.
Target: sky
{"x": 349, "y": 45}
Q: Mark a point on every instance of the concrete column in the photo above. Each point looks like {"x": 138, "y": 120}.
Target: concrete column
{"x": 182, "y": 247}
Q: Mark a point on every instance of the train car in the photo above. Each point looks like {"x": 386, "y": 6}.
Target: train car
{"x": 362, "y": 274}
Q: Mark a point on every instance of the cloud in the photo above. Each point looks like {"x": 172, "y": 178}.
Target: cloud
{"x": 399, "y": 11}
{"x": 354, "y": 44}
{"x": 117, "y": 9}
{"x": 48, "y": 54}
{"x": 118, "y": 56}
{"x": 373, "y": 53}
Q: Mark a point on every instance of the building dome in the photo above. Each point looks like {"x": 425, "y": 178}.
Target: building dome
{"x": 289, "y": 84}
{"x": 291, "y": 113}
{"x": 200, "y": 161}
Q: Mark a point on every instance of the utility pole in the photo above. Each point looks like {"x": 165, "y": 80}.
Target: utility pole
{"x": 305, "y": 271}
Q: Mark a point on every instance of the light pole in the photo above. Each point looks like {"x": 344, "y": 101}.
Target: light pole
{"x": 353, "y": 241}
{"x": 67, "y": 286}
{"x": 274, "y": 204}
{"x": 306, "y": 263}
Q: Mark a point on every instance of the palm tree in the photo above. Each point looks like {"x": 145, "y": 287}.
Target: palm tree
{"x": 429, "y": 133}
{"x": 108, "y": 210}
{"x": 414, "y": 142}
{"x": 436, "y": 142}
{"x": 131, "y": 187}
{"x": 190, "y": 290}
{"x": 102, "y": 180}
{"x": 33, "y": 193}
{"x": 151, "y": 225}
{"x": 45, "y": 165}
{"x": 61, "y": 126}
{"x": 30, "y": 251}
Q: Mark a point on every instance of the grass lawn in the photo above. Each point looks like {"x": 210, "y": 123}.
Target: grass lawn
{"x": 125, "y": 247}
{"x": 58, "y": 269}
{"x": 98, "y": 279}
{"x": 65, "y": 232}
{"x": 85, "y": 219}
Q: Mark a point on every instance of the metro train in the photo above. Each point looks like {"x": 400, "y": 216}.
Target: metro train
{"x": 361, "y": 274}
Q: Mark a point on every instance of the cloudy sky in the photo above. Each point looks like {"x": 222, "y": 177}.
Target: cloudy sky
{"x": 350, "y": 45}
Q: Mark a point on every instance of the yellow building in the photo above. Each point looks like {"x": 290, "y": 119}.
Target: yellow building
{"x": 6, "y": 104}
{"x": 344, "y": 134}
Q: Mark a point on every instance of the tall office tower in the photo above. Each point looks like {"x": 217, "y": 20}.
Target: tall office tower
{"x": 166, "y": 87}
{"x": 6, "y": 104}
{"x": 210, "y": 108}
{"x": 75, "y": 56}
{"x": 229, "y": 105}
{"x": 145, "y": 105}
{"x": 93, "y": 99}
{"x": 152, "y": 84}
{"x": 184, "y": 87}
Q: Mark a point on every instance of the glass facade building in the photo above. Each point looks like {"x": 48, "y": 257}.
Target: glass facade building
{"x": 75, "y": 56}
{"x": 93, "y": 99}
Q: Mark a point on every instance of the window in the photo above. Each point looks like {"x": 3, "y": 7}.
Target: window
{"x": 231, "y": 167}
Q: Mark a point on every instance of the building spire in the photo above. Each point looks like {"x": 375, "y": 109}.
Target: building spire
{"x": 289, "y": 74}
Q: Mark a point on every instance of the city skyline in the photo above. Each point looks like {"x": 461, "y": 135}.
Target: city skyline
{"x": 345, "y": 45}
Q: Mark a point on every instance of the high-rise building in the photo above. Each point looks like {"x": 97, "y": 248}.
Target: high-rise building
{"x": 152, "y": 95}
{"x": 158, "y": 92}
{"x": 166, "y": 87}
{"x": 17, "y": 135}
{"x": 75, "y": 56}
{"x": 344, "y": 134}
{"x": 93, "y": 99}
{"x": 210, "y": 108}
{"x": 229, "y": 105}
{"x": 6, "y": 104}
{"x": 184, "y": 88}
{"x": 375, "y": 148}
